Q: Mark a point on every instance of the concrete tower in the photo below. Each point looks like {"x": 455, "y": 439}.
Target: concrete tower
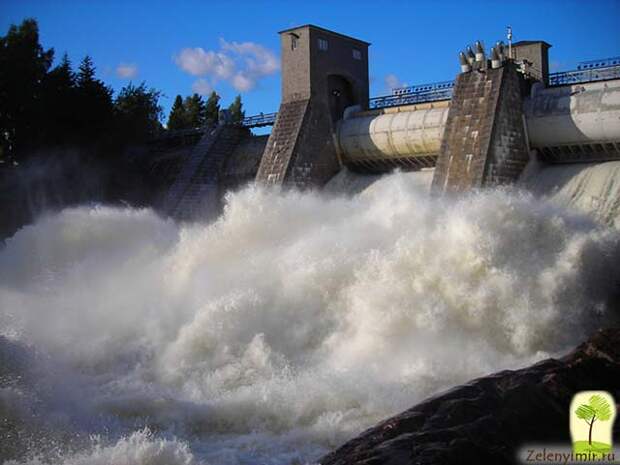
{"x": 323, "y": 73}
{"x": 537, "y": 53}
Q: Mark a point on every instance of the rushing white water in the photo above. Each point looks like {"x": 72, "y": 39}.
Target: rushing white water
{"x": 589, "y": 187}
{"x": 289, "y": 325}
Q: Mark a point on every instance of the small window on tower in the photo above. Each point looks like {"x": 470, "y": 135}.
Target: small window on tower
{"x": 323, "y": 44}
{"x": 357, "y": 54}
{"x": 293, "y": 41}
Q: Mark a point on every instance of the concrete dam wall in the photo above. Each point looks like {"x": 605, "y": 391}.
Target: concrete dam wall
{"x": 501, "y": 114}
{"x": 590, "y": 188}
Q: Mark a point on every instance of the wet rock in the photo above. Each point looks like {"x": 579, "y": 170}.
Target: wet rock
{"x": 488, "y": 419}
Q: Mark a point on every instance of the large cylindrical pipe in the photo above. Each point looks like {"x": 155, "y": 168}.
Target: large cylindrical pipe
{"x": 392, "y": 135}
{"x": 579, "y": 114}
{"x": 571, "y": 115}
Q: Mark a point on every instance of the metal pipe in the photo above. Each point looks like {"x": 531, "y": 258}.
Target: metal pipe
{"x": 393, "y": 135}
{"x": 495, "y": 61}
{"x": 465, "y": 66}
{"x": 501, "y": 50}
{"x": 509, "y": 37}
{"x": 581, "y": 114}
{"x": 588, "y": 114}
{"x": 470, "y": 55}
{"x": 479, "y": 52}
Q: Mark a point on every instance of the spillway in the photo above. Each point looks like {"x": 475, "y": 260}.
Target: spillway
{"x": 593, "y": 188}
{"x": 590, "y": 188}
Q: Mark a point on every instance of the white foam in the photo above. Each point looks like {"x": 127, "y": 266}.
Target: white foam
{"x": 593, "y": 188}
{"x": 140, "y": 448}
{"x": 297, "y": 319}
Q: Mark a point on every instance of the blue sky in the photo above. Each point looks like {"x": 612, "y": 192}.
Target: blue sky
{"x": 414, "y": 42}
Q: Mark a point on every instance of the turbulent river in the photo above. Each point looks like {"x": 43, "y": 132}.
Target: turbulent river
{"x": 289, "y": 325}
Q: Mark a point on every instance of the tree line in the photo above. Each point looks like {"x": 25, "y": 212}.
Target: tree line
{"x": 45, "y": 106}
{"x": 193, "y": 111}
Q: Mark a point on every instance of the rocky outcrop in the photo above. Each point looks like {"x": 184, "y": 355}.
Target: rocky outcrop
{"x": 488, "y": 419}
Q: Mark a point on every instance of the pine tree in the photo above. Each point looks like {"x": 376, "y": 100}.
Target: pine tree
{"x": 86, "y": 72}
{"x": 63, "y": 74}
{"x": 212, "y": 108}
{"x": 236, "y": 110}
{"x": 59, "y": 114}
{"x": 177, "y": 118}
{"x": 96, "y": 110}
{"x": 23, "y": 65}
{"x": 195, "y": 111}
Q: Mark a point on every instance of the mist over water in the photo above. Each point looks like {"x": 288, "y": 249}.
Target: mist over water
{"x": 287, "y": 326}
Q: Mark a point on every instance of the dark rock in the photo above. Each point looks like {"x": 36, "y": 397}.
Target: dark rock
{"x": 488, "y": 419}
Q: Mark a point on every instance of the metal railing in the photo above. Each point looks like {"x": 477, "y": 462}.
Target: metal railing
{"x": 409, "y": 95}
{"x": 587, "y": 71}
{"x": 260, "y": 120}
{"x": 601, "y": 63}
{"x": 584, "y": 75}
{"x": 387, "y": 101}
{"x": 423, "y": 88}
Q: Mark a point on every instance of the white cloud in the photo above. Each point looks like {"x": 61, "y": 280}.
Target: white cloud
{"x": 259, "y": 61}
{"x": 202, "y": 87}
{"x": 197, "y": 62}
{"x": 127, "y": 70}
{"x": 242, "y": 83}
{"x": 392, "y": 82}
{"x": 242, "y": 65}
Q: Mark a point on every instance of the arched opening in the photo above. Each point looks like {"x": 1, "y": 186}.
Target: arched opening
{"x": 340, "y": 95}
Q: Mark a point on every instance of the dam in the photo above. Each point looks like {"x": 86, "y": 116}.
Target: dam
{"x": 311, "y": 310}
{"x": 503, "y": 111}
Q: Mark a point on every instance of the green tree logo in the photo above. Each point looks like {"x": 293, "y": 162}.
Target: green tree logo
{"x": 599, "y": 407}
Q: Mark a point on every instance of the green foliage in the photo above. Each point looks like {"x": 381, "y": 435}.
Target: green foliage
{"x": 212, "y": 108}
{"x": 86, "y": 73}
{"x": 176, "y": 119}
{"x": 194, "y": 111}
{"x": 43, "y": 107}
{"x": 236, "y": 110}
{"x": 23, "y": 66}
{"x": 138, "y": 112}
{"x": 58, "y": 104}
{"x": 585, "y": 412}
{"x": 601, "y": 407}
{"x": 94, "y": 102}
{"x": 597, "y": 408}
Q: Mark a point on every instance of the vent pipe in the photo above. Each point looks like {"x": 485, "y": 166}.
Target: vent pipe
{"x": 465, "y": 66}
{"x": 479, "y": 52}
{"x": 495, "y": 61}
{"x": 470, "y": 55}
